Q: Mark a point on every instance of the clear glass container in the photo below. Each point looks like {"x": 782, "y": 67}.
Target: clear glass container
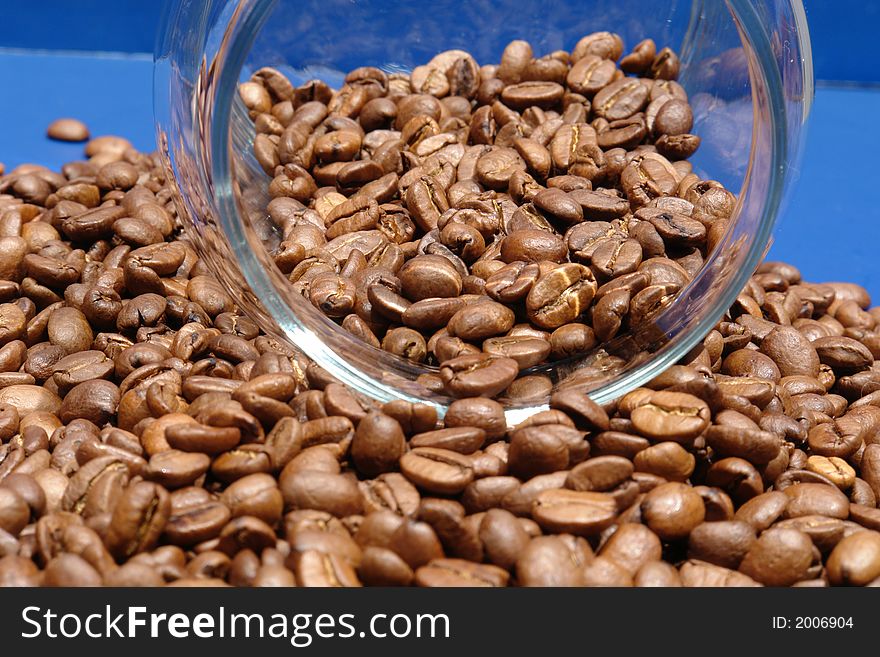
{"x": 745, "y": 65}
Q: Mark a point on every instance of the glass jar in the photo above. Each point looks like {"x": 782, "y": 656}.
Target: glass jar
{"x": 745, "y": 65}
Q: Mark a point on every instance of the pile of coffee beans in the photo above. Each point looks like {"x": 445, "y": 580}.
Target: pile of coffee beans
{"x": 507, "y": 215}
{"x": 150, "y": 434}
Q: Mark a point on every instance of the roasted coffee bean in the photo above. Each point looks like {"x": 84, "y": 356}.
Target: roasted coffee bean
{"x": 756, "y": 446}
{"x": 480, "y": 321}
{"x": 780, "y": 557}
{"x": 537, "y": 450}
{"x": 478, "y": 375}
{"x": 816, "y": 499}
{"x": 68, "y": 130}
{"x": 855, "y": 560}
{"x": 842, "y": 353}
{"x": 138, "y": 519}
{"x": 561, "y": 296}
{"x": 336, "y": 494}
{"x": 383, "y": 567}
{"x": 378, "y": 444}
{"x": 696, "y": 573}
{"x": 632, "y": 546}
{"x": 664, "y": 415}
{"x": 723, "y": 543}
{"x": 673, "y": 510}
{"x": 503, "y": 536}
{"x": 95, "y": 400}
{"x": 553, "y": 561}
{"x": 601, "y": 473}
{"x": 255, "y": 495}
{"x": 406, "y": 343}
{"x": 437, "y": 470}
{"x": 620, "y": 99}
{"x": 668, "y": 460}
{"x": 174, "y": 468}
{"x": 429, "y": 276}
{"x": 531, "y": 245}
{"x": 532, "y": 94}
{"x": 840, "y": 438}
{"x": 525, "y": 350}
{"x": 464, "y": 440}
{"x": 458, "y": 572}
{"x": 577, "y": 512}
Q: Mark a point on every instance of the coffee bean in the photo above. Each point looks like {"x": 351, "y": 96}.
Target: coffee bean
{"x": 834, "y": 468}
{"x": 674, "y": 118}
{"x": 199, "y": 520}
{"x": 69, "y": 570}
{"x": 529, "y": 245}
{"x": 437, "y": 470}
{"x": 672, "y": 510}
{"x": 604, "y": 44}
{"x": 480, "y": 412}
{"x": 503, "y": 537}
{"x": 537, "y": 450}
{"x": 791, "y": 351}
{"x": 526, "y": 351}
{"x": 464, "y": 440}
{"x": 390, "y": 491}
{"x": 632, "y": 546}
{"x": 138, "y": 519}
{"x": 855, "y": 561}
{"x": 696, "y": 573}
{"x": 842, "y": 353}
{"x": 534, "y": 93}
{"x": 477, "y": 375}
{"x": 665, "y": 65}
{"x": 496, "y": 167}
{"x": 314, "y": 568}
{"x": 657, "y": 573}
{"x": 816, "y": 499}
{"x": 429, "y": 276}
{"x": 601, "y": 473}
{"x": 603, "y": 571}
{"x": 788, "y": 550}
{"x": 458, "y": 572}
{"x": 68, "y": 130}
{"x": 95, "y": 400}
{"x": 838, "y": 438}
{"x": 378, "y": 444}
{"x": 335, "y": 493}
{"x": 723, "y": 543}
{"x": 14, "y": 511}
{"x": 667, "y": 459}
{"x": 590, "y": 74}
{"x": 255, "y": 495}
{"x": 620, "y": 99}
{"x": 69, "y": 329}
{"x": 383, "y": 567}
{"x": 666, "y": 415}
{"x": 561, "y": 295}
{"x": 753, "y": 445}
{"x": 577, "y": 512}
{"x": 553, "y": 561}
{"x": 480, "y": 321}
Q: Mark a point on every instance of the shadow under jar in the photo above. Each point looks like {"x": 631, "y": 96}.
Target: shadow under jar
{"x": 380, "y": 182}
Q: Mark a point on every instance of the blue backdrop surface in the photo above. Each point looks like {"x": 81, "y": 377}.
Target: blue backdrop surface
{"x": 827, "y": 229}
{"x": 844, "y": 32}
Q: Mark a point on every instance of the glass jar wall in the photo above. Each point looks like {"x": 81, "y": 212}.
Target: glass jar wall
{"x": 745, "y": 65}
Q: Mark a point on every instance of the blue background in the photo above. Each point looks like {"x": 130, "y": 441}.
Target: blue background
{"x": 91, "y": 59}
